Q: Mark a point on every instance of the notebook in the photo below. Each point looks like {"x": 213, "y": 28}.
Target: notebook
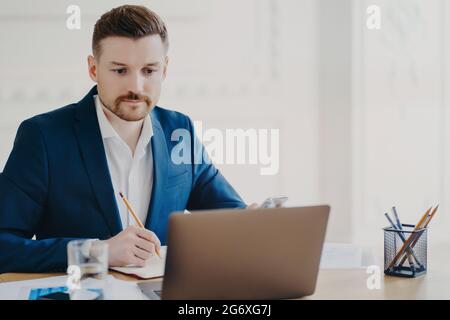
{"x": 154, "y": 268}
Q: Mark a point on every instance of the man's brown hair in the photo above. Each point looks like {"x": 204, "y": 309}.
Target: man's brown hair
{"x": 129, "y": 21}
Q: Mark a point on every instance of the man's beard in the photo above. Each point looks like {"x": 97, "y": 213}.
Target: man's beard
{"x": 123, "y": 112}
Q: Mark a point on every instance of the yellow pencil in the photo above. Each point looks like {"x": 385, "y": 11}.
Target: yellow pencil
{"x": 410, "y": 238}
{"x": 136, "y": 218}
{"x": 431, "y": 216}
{"x": 427, "y": 222}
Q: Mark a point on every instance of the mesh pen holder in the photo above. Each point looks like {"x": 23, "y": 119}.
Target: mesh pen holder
{"x": 412, "y": 261}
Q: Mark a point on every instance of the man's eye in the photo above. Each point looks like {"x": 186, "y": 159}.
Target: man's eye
{"x": 148, "y": 71}
{"x": 119, "y": 71}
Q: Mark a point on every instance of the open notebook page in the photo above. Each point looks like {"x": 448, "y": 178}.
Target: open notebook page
{"x": 154, "y": 267}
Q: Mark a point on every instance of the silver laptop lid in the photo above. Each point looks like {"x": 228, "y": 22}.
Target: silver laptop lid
{"x": 244, "y": 254}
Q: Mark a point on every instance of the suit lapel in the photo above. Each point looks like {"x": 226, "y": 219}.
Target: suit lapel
{"x": 93, "y": 154}
{"x": 160, "y": 163}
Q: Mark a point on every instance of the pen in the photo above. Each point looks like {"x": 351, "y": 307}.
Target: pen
{"x": 396, "y": 218}
{"x": 402, "y": 237}
{"x": 400, "y": 227}
{"x": 136, "y": 218}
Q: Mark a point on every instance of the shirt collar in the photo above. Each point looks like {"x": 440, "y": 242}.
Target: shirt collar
{"x": 107, "y": 130}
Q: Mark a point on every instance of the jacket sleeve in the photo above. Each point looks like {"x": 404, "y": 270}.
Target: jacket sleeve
{"x": 210, "y": 188}
{"x": 23, "y": 194}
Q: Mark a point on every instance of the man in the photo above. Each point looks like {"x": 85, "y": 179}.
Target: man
{"x": 67, "y": 167}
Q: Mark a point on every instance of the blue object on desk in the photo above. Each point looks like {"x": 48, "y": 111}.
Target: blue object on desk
{"x": 36, "y": 293}
{"x": 39, "y": 292}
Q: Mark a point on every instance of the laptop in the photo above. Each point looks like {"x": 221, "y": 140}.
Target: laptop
{"x": 242, "y": 254}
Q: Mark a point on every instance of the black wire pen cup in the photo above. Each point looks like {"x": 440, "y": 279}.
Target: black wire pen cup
{"x": 405, "y": 251}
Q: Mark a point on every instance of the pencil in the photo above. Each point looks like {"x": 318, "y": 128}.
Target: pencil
{"x": 402, "y": 237}
{"x": 136, "y": 218}
{"x": 431, "y": 216}
{"x": 410, "y": 238}
{"x": 427, "y": 221}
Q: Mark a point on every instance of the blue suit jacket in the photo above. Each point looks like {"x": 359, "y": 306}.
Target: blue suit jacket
{"x": 56, "y": 185}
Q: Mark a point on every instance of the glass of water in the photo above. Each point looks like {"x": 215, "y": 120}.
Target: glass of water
{"x": 87, "y": 269}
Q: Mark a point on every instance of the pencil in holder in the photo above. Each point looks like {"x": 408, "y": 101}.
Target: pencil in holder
{"x": 405, "y": 251}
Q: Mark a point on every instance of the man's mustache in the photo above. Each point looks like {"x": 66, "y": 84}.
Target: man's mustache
{"x": 133, "y": 96}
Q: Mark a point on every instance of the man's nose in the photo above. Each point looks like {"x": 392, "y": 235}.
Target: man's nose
{"x": 136, "y": 83}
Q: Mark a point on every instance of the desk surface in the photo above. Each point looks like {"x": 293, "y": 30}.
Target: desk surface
{"x": 350, "y": 283}
{"x": 339, "y": 284}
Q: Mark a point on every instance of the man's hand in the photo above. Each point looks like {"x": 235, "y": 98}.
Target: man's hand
{"x": 134, "y": 245}
{"x": 256, "y": 206}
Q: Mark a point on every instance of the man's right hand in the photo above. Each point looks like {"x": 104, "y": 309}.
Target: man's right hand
{"x": 134, "y": 245}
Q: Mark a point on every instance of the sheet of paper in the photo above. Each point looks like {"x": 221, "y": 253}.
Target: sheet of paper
{"x": 341, "y": 256}
{"x": 14, "y": 290}
{"x": 116, "y": 289}
{"x": 154, "y": 267}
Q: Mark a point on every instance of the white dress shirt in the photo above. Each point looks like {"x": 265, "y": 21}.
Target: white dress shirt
{"x": 131, "y": 175}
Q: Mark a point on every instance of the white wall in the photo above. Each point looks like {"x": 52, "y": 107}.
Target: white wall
{"x": 401, "y": 115}
{"x": 334, "y": 23}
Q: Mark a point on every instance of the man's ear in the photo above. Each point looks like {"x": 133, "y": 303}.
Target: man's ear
{"x": 92, "y": 68}
{"x": 165, "y": 67}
